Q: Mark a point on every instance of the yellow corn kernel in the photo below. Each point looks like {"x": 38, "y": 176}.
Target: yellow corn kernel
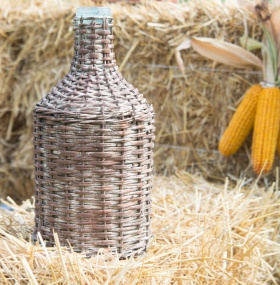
{"x": 266, "y": 129}
{"x": 241, "y": 123}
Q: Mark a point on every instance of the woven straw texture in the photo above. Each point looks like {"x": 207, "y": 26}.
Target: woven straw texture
{"x": 93, "y": 138}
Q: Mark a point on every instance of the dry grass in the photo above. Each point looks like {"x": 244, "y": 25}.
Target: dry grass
{"x": 203, "y": 234}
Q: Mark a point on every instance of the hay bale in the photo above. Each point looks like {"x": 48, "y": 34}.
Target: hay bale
{"x": 192, "y": 113}
{"x": 36, "y": 44}
{"x": 203, "y": 234}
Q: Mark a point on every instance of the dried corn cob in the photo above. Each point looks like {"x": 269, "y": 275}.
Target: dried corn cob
{"x": 266, "y": 129}
{"x": 278, "y": 144}
{"x": 241, "y": 123}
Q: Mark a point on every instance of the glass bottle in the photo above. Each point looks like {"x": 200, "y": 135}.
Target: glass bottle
{"x": 93, "y": 141}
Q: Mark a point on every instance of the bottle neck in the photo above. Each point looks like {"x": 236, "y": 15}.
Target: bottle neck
{"x": 94, "y": 49}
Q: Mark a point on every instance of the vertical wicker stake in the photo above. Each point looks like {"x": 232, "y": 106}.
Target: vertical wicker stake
{"x": 93, "y": 138}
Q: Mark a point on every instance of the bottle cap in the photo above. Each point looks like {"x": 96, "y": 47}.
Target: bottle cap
{"x": 93, "y": 12}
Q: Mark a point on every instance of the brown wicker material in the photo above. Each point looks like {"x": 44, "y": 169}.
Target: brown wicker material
{"x": 93, "y": 138}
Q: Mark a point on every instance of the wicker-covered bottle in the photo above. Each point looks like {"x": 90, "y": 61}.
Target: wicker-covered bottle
{"x": 93, "y": 139}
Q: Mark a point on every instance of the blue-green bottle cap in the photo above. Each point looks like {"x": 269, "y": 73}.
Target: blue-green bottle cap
{"x": 93, "y": 12}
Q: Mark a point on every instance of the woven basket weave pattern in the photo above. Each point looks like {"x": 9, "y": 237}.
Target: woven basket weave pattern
{"x": 93, "y": 138}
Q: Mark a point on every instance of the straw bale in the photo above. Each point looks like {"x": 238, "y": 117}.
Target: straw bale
{"x": 192, "y": 113}
{"x": 36, "y": 46}
{"x": 203, "y": 234}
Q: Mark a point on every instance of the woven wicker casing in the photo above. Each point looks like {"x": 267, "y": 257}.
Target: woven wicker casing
{"x": 93, "y": 138}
